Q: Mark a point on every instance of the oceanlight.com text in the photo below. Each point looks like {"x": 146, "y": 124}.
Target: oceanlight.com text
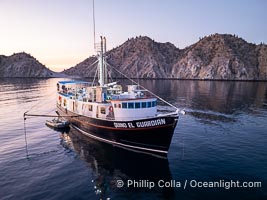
{"x": 188, "y": 184}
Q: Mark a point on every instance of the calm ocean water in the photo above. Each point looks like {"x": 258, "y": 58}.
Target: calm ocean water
{"x": 221, "y": 138}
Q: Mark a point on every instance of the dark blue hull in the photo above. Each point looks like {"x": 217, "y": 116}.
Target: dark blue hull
{"x": 151, "y": 135}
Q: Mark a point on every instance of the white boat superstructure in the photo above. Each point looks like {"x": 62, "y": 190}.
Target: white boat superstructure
{"x": 107, "y": 102}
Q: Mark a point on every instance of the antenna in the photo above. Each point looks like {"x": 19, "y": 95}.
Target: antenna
{"x": 94, "y": 21}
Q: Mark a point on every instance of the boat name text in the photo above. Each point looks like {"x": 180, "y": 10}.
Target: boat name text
{"x": 142, "y": 124}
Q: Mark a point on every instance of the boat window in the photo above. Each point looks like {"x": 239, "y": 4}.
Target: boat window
{"x": 90, "y": 107}
{"x": 115, "y": 105}
{"x": 149, "y": 104}
{"x": 124, "y": 105}
{"x": 154, "y": 103}
{"x": 130, "y": 105}
{"x": 143, "y": 104}
{"x": 137, "y": 104}
{"x": 119, "y": 105}
{"x": 94, "y": 94}
{"x": 103, "y": 110}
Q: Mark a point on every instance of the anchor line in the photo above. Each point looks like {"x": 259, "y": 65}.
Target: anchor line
{"x": 26, "y": 144}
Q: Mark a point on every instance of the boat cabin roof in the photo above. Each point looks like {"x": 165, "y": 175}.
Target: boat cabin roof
{"x": 73, "y": 82}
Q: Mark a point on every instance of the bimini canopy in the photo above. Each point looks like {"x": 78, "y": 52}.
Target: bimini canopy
{"x": 73, "y": 82}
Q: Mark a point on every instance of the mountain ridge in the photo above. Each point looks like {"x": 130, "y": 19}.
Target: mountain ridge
{"x": 214, "y": 57}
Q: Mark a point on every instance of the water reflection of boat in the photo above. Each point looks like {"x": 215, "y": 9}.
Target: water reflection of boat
{"x": 109, "y": 164}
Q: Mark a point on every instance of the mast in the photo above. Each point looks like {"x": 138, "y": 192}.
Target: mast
{"x": 105, "y": 60}
{"x": 94, "y": 22}
{"x": 102, "y": 66}
{"x": 101, "y": 62}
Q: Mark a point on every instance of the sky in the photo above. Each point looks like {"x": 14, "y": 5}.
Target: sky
{"x": 59, "y": 33}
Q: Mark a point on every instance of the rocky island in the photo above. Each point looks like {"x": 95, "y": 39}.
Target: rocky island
{"x": 214, "y": 57}
{"x": 24, "y": 65}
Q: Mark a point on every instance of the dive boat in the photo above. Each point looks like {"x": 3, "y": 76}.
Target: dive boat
{"x": 105, "y": 112}
{"x": 57, "y": 123}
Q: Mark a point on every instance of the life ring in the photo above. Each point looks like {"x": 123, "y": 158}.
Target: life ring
{"x": 110, "y": 109}
{"x": 60, "y": 100}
